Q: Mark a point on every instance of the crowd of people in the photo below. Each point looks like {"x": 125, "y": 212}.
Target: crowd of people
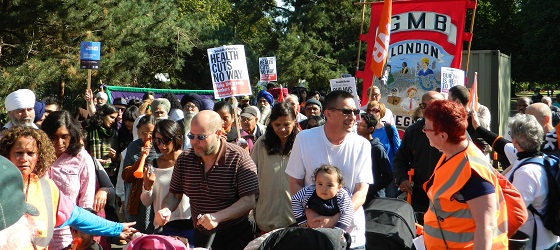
{"x": 228, "y": 171}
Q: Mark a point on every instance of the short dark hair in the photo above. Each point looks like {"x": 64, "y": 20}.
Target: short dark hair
{"x": 130, "y": 113}
{"x": 49, "y": 100}
{"x": 369, "y": 119}
{"x": 270, "y": 85}
{"x": 147, "y": 119}
{"x": 329, "y": 169}
{"x": 173, "y": 100}
{"x": 460, "y": 92}
{"x": 134, "y": 102}
{"x": 147, "y": 95}
{"x": 223, "y": 105}
{"x": 171, "y": 130}
{"x": 59, "y": 119}
{"x": 332, "y": 98}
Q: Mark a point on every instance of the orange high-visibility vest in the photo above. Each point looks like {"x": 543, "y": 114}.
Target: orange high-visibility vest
{"x": 455, "y": 219}
{"x": 43, "y": 194}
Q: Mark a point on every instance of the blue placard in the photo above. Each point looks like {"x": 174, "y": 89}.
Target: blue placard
{"x": 90, "y": 55}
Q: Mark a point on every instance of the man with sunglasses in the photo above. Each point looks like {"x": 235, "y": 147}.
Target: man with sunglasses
{"x": 416, "y": 153}
{"x": 221, "y": 182}
{"x": 376, "y": 96}
{"x": 335, "y": 144}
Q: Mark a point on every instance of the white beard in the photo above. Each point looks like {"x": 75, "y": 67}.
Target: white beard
{"x": 265, "y": 112}
{"x": 187, "y": 121}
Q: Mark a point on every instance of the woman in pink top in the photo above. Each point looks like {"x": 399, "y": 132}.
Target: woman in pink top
{"x": 73, "y": 172}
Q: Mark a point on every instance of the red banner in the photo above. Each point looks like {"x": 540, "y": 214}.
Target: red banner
{"x": 425, "y": 36}
{"x": 382, "y": 38}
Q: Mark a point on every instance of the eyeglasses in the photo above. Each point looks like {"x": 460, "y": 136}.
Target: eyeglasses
{"x": 425, "y": 130}
{"x": 162, "y": 141}
{"x": 422, "y": 105}
{"x": 348, "y": 111}
{"x": 199, "y": 136}
{"x": 376, "y": 110}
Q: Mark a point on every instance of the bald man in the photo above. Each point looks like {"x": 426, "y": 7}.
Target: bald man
{"x": 416, "y": 153}
{"x": 542, "y": 112}
{"x": 220, "y": 180}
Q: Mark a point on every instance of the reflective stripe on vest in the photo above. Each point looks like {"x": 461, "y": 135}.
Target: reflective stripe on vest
{"x": 49, "y": 213}
{"x": 455, "y": 218}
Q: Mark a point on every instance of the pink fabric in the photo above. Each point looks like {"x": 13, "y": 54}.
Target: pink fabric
{"x": 64, "y": 210}
{"x": 75, "y": 178}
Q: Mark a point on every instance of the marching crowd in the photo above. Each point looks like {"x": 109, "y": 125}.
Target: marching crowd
{"x": 228, "y": 171}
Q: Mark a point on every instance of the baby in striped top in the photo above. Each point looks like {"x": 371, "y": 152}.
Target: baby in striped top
{"x": 326, "y": 197}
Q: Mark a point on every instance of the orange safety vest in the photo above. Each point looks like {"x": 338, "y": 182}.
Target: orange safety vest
{"x": 456, "y": 224}
{"x": 43, "y": 194}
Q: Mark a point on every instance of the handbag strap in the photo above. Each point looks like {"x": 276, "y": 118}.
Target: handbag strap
{"x": 439, "y": 225}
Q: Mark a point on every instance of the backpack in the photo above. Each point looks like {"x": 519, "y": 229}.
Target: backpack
{"x": 389, "y": 131}
{"x": 516, "y": 208}
{"x": 551, "y": 214}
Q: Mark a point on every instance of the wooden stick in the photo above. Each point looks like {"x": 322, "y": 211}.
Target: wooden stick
{"x": 470, "y": 42}
{"x": 359, "y": 40}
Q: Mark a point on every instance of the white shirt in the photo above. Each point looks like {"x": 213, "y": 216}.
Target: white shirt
{"x": 531, "y": 182}
{"x": 353, "y": 157}
{"x": 159, "y": 190}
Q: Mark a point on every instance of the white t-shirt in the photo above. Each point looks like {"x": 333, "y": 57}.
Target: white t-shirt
{"x": 353, "y": 157}
{"x": 159, "y": 190}
{"x": 531, "y": 182}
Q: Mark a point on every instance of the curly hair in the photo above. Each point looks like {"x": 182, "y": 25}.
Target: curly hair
{"x": 45, "y": 149}
{"x": 449, "y": 117}
{"x": 527, "y": 131}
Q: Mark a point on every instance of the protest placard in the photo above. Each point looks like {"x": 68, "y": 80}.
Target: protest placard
{"x": 267, "y": 69}
{"x": 347, "y": 84}
{"x": 228, "y": 67}
{"x": 90, "y": 55}
{"x": 451, "y": 77}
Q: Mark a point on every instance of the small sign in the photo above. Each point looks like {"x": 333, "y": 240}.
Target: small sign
{"x": 228, "y": 67}
{"x": 347, "y": 84}
{"x": 267, "y": 69}
{"x": 90, "y": 55}
{"x": 451, "y": 77}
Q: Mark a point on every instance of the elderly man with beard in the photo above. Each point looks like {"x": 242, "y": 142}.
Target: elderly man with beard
{"x": 221, "y": 182}
{"x": 19, "y": 105}
{"x": 192, "y": 104}
{"x": 264, "y": 101}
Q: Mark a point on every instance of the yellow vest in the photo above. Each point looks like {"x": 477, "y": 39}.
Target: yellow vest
{"x": 455, "y": 219}
{"x": 43, "y": 194}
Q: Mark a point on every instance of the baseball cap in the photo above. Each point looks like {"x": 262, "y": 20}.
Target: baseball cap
{"x": 249, "y": 112}
{"x": 12, "y": 197}
{"x": 120, "y": 101}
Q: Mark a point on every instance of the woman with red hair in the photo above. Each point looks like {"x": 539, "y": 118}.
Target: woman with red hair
{"x": 467, "y": 209}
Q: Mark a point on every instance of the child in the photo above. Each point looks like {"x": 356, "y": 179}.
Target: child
{"x": 327, "y": 197}
{"x": 83, "y": 241}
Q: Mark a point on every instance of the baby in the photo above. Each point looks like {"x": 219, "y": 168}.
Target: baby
{"x": 327, "y": 197}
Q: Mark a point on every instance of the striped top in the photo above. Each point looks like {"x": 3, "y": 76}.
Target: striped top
{"x": 233, "y": 176}
{"x": 308, "y": 198}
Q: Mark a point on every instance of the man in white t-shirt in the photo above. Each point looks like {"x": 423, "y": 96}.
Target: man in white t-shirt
{"x": 335, "y": 144}
{"x": 376, "y": 96}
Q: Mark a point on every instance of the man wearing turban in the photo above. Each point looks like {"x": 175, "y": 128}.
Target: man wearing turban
{"x": 20, "y": 106}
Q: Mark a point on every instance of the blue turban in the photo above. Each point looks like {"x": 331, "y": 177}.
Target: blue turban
{"x": 267, "y": 96}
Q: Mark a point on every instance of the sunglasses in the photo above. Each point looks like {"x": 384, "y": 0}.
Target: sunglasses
{"x": 162, "y": 141}
{"x": 199, "y": 137}
{"x": 376, "y": 110}
{"x": 348, "y": 111}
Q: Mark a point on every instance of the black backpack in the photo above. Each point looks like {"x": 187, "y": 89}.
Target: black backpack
{"x": 551, "y": 214}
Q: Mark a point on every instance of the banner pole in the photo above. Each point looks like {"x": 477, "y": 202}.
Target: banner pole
{"x": 470, "y": 41}
{"x": 360, "y": 40}
{"x": 89, "y": 79}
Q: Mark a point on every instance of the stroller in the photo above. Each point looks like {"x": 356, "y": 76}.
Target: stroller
{"x": 390, "y": 224}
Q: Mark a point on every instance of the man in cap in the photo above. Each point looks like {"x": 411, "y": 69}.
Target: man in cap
{"x": 20, "y": 106}
{"x": 192, "y": 104}
{"x": 250, "y": 123}
{"x": 264, "y": 102}
{"x": 16, "y": 227}
{"x": 120, "y": 103}
{"x": 313, "y": 107}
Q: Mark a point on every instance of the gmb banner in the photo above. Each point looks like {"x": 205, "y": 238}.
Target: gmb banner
{"x": 425, "y": 36}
